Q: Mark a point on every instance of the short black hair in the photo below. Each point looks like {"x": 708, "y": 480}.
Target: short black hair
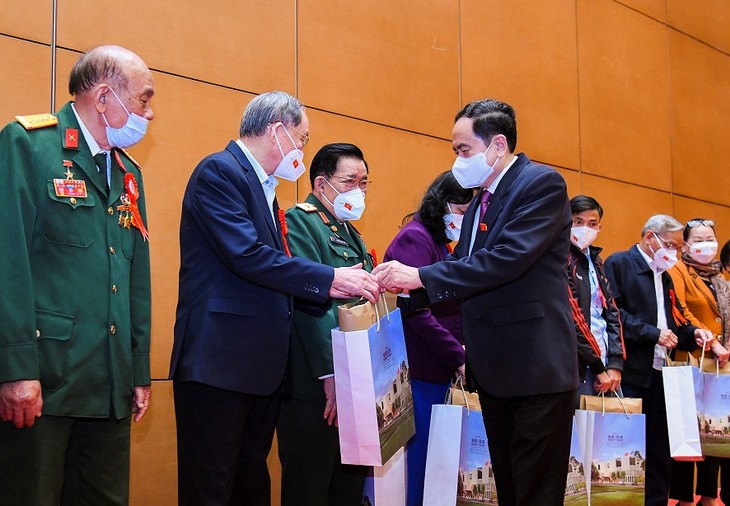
{"x": 325, "y": 161}
{"x": 443, "y": 189}
{"x": 581, "y": 203}
{"x": 725, "y": 256}
{"x": 688, "y": 229}
{"x": 491, "y": 117}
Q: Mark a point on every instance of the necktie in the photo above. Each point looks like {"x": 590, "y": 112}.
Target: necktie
{"x": 100, "y": 159}
{"x": 484, "y": 204}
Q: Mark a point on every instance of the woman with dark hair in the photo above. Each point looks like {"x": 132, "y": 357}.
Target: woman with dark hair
{"x": 705, "y": 297}
{"x": 433, "y": 336}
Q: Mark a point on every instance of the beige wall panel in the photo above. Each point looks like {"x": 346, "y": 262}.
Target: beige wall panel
{"x": 191, "y": 121}
{"x": 275, "y": 472}
{"x": 521, "y": 52}
{"x": 626, "y": 208}
{"x": 624, "y": 94}
{"x": 656, "y": 9}
{"x": 402, "y": 165}
{"x": 27, "y": 89}
{"x": 700, "y": 100}
{"x": 394, "y": 63}
{"x": 708, "y": 21}
{"x": 153, "y": 476}
{"x": 572, "y": 179}
{"x": 686, "y": 209}
{"x": 243, "y": 44}
{"x": 30, "y": 19}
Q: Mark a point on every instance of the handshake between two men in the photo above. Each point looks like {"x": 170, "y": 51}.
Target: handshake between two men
{"x": 356, "y": 282}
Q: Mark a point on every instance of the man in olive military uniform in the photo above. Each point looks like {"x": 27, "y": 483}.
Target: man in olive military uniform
{"x": 320, "y": 229}
{"x": 75, "y": 289}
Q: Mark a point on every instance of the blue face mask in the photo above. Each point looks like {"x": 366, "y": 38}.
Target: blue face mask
{"x": 129, "y": 134}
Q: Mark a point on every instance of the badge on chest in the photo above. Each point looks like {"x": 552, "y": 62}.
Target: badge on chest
{"x": 70, "y": 187}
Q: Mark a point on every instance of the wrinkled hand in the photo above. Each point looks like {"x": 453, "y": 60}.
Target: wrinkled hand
{"x": 615, "y": 375}
{"x": 720, "y": 352}
{"x": 603, "y": 383}
{"x": 354, "y": 282}
{"x": 396, "y": 277}
{"x": 704, "y": 339}
{"x": 330, "y": 405}
{"x": 668, "y": 339}
{"x": 141, "y": 401}
{"x": 21, "y": 402}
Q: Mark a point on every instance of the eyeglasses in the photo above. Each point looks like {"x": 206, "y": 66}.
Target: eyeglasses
{"x": 304, "y": 138}
{"x": 351, "y": 182}
{"x": 698, "y": 223}
{"x": 457, "y": 209}
{"x": 668, "y": 245}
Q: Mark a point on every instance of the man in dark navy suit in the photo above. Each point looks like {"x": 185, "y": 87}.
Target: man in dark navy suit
{"x": 238, "y": 286}
{"x": 509, "y": 271}
{"x": 654, "y": 326}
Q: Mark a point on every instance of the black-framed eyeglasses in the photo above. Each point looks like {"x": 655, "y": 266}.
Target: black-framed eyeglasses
{"x": 698, "y": 223}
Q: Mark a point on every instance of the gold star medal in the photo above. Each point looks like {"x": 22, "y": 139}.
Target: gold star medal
{"x": 70, "y": 187}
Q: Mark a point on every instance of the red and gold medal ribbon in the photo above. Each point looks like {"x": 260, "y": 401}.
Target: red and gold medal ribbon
{"x": 284, "y": 231}
{"x": 375, "y": 257}
{"x": 679, "y": 318}
{"x": 132, "y": 189}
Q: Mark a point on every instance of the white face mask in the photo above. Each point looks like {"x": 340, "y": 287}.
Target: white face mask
{"x": 291, "y": 166}
{"x": 664, "y": 259}
{"x": 473, "y": 171}
{"x": 453, "y": 224}
{"x": 583, "y": 236}
{"x": 703, "y": 252}
{"x": 347, "y": 206}
{"x": 130, "y": 133}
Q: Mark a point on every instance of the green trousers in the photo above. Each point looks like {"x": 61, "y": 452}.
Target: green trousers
{"x": 65, "y": 461}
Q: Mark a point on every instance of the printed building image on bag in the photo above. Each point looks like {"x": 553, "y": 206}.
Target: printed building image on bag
{"x": 476, "y": 484}
{"x": 618, "y": 466}
{"x": 715, "y": 417}
{"x": 576, "y": 491}
{"x": 394, "y": 398}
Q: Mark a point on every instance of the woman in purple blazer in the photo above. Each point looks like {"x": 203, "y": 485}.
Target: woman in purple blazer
{"x": 433, "y": 336}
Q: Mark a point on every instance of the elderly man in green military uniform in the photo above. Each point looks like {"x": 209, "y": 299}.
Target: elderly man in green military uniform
{"x": 75, "y": 289}
{"x": 320, "y": 229}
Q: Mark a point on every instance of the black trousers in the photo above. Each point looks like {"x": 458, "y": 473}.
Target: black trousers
{"x": 707, "y": 471}
{"x": 658, "y": 458}
{"x": 223, "y": 440}
{"x": 529, "y": 444}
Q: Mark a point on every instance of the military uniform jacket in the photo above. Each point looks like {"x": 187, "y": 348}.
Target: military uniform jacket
{"x": 74, "y": 284}
{"x": 315, "y": 234}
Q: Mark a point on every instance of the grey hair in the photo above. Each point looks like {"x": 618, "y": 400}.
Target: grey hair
{"x": 102, "y": 63}
{"x": 661, "y": 223}
{"x": 270, "y": 108}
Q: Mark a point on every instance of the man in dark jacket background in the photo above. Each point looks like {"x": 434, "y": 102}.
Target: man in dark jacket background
{"x": 601, "y": 351}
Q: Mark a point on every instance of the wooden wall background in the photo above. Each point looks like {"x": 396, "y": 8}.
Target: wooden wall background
{"x": 628, "y": 99}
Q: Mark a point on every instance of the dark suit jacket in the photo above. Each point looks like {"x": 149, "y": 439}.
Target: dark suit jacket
{"x": 519, "y": 334}
{"x": 589, "y": 351}
{"x": 235, "y": 306}
{"x": 632, "y": 282}
{"x": 433, "y": 335}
